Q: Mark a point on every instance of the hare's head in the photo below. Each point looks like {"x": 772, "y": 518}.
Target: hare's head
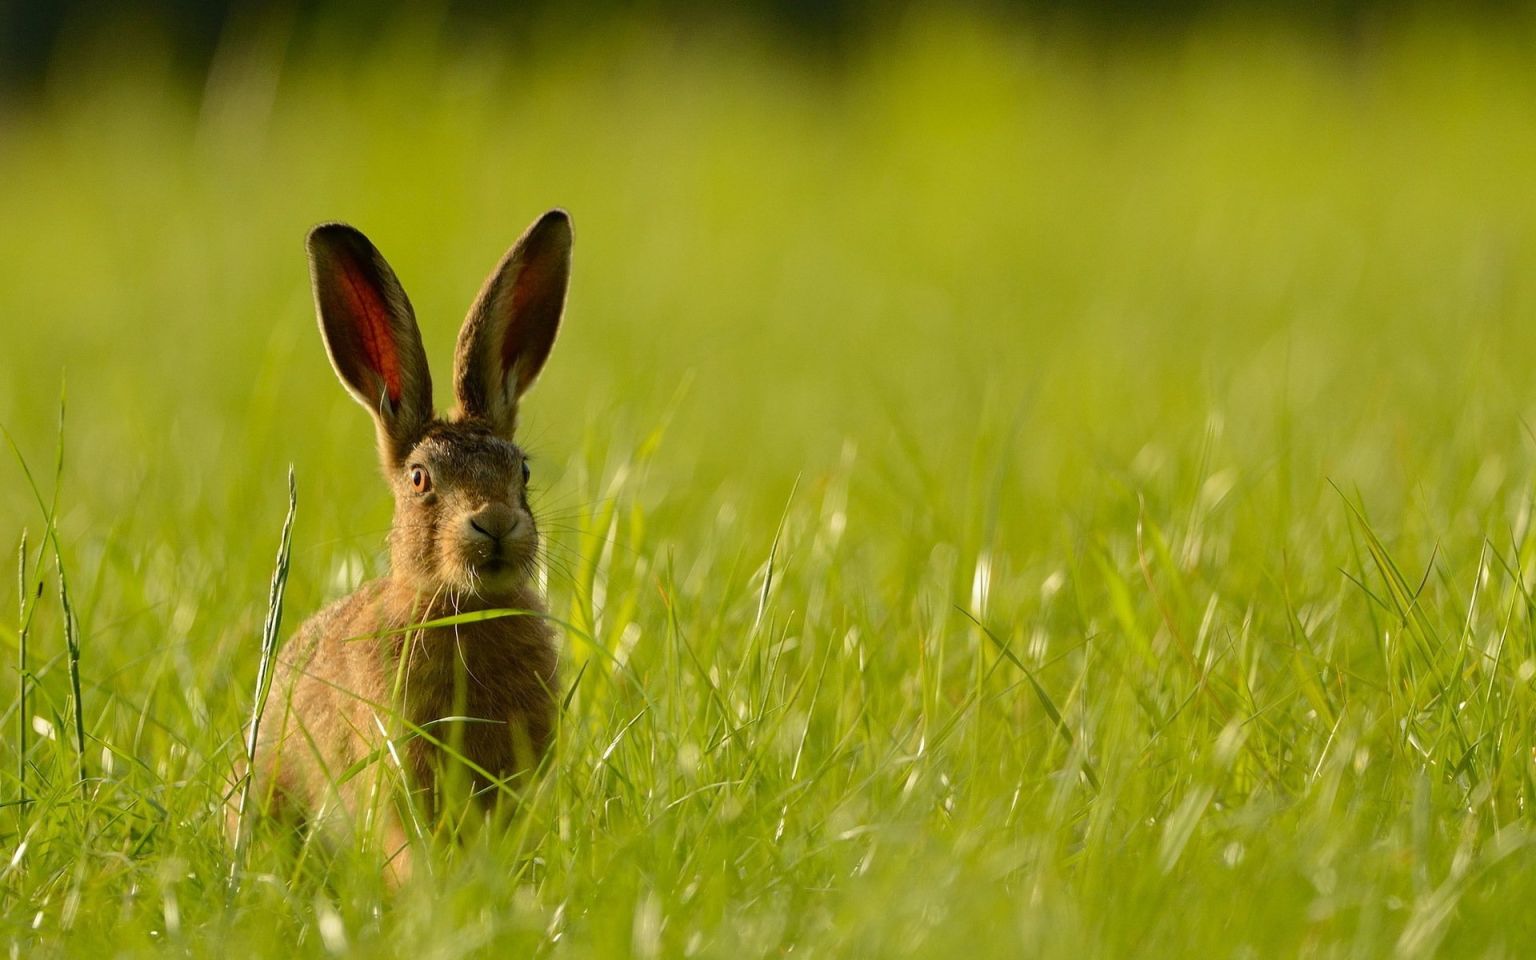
{"x": 462, "y": 523}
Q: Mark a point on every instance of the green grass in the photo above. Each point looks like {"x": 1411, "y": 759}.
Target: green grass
{"x": 1010, "y": 497}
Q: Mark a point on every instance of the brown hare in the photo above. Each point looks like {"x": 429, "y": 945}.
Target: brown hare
{"x": 361, "y": 699}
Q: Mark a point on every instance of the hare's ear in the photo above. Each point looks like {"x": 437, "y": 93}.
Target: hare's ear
{"x": 512, "y": 325}
{"x": 371, "y": 335}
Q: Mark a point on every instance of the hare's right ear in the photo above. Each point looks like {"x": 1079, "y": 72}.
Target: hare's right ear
{"x": 371, "y": 335}
{"x": 511, "y": 327}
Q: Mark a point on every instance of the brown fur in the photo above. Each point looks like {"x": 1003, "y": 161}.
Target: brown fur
{"x": 361, "y": 700}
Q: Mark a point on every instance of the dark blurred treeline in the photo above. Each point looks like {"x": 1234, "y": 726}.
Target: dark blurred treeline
{"x": 188, "y": 32}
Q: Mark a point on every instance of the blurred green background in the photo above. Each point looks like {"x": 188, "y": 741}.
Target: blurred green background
{"x": 1109, "y": 233}
{"x": 1093, "y": 324}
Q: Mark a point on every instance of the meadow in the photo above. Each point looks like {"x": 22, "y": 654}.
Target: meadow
{"x": 1008, "y": 494}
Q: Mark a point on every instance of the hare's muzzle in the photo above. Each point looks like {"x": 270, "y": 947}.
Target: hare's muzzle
{"x": 492, "y": 530}
{"x": 496, "y": 539}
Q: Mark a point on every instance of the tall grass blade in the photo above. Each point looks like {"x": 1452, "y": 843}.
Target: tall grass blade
{"x": 1046, "y": 703}
{"x": 50, "y": 509}
{"x": 72, "y": 647}
{"x": 269, "y": 634}
{"x": 71, "y": 623}
{"x": 22, "y": 629}
{"x": 773, "y": 553}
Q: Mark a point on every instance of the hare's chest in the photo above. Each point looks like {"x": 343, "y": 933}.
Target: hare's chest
{"x": 481, "y": 695}
{"x": 459, "y": 674}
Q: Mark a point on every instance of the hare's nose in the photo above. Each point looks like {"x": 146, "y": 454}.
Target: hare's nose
{"x": 494, "y": 522}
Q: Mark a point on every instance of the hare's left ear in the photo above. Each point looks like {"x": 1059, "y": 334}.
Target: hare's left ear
{"x": 511, "y": 328}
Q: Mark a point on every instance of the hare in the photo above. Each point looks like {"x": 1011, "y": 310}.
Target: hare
{"x": 362, "y": 695}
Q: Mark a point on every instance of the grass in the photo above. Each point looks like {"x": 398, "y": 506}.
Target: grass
{"x": 1008, "y": 497}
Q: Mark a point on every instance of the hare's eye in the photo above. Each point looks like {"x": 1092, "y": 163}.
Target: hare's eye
{"x": 421, "y": 481}
{"x": 526, "y": 473}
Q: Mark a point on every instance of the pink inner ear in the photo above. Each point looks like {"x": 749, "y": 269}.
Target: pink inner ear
{"x": 536, "y": 298}
{"x": 373, "y": 328}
